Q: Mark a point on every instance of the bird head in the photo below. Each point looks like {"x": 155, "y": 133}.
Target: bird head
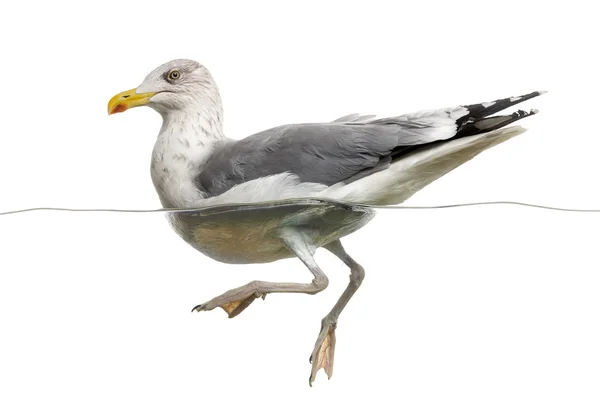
{"x": 176, "y": 85}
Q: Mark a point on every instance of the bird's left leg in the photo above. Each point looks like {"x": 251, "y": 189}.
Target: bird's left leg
{"x": 323, "y": 353}
{"x": 236, "y": 300}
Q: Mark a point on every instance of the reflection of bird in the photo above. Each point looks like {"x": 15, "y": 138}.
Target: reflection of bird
{"x": 353, "y": 159}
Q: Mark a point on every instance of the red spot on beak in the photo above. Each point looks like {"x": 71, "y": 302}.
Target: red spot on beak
{"x": 118, "y": 108}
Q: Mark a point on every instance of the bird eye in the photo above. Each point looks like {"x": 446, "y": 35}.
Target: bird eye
{"x": 174, "y": 75}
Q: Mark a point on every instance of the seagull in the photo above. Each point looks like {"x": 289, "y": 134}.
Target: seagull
{"x": 354, "y": 160}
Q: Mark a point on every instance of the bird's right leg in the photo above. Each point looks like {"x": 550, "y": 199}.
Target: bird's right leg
{"x": 236, "y": 300}
{"x": 323, "y": 353}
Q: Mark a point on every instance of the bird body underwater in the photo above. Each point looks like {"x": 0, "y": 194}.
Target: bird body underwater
{"x": 354, "y": 159}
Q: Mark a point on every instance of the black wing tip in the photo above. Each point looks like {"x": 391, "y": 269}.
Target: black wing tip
{"x": 478, "y": 120}
{"x": 520, "y": 114}
{"x": 479, "y": 126}
{"x": 522, "y": 98}
{"x": 484, "y": 109}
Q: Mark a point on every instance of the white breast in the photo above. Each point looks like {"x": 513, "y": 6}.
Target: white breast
{"x": 177, "y": 158}
{"x": 172, "y": 177}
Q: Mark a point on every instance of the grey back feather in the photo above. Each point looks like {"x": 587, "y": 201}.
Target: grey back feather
{"x": 353, "y": 118}
{"x": 326, "y": 153}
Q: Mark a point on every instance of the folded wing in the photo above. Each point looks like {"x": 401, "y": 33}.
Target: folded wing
{"x": 350, "y": 148}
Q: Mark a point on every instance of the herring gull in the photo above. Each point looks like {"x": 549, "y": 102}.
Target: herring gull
{"x": 354, "y": 159}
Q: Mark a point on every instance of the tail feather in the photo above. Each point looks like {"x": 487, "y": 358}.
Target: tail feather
{"x": 415, "y": 171}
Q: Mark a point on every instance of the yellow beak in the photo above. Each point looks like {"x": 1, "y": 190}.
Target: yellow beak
{"x": 128, "y": 99}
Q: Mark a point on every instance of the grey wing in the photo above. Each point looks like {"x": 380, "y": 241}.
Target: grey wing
{"x": 353, "y": 118}
{"x": 318, "y": 153}
{"x": 347, "y": 149}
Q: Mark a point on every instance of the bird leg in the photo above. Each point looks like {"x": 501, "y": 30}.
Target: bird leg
{"x": 236, "y": 300}
{"x": 323, "y": 353}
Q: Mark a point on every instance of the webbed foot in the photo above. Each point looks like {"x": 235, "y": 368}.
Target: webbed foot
{"x": 233, "y": 301}
{"x": 323, "y": 353}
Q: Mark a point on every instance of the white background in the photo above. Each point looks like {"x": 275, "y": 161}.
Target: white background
{"x": 473, "y": 310}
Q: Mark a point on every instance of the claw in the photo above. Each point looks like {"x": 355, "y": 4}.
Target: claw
{"x": 199, "y": 308}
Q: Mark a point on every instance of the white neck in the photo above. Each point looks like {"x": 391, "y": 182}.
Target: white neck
{"x": 186, "y": 141}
